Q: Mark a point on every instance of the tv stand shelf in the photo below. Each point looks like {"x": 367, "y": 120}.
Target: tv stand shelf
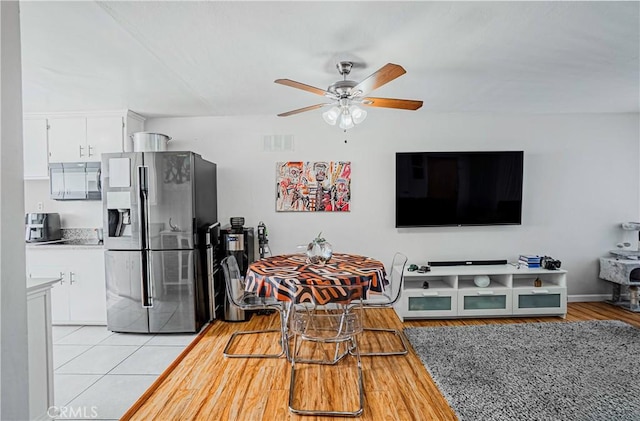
{"x": 451, "y": 292}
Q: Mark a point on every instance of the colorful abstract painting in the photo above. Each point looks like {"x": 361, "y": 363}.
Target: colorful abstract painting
{"x": 313, "y": 186}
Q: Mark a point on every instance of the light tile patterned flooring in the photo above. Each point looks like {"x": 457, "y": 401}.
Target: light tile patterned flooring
{"x": 99, "y": 374}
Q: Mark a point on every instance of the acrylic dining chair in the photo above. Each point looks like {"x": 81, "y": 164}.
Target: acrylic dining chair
{"x": 387, "y": 299}
{"x": 235, "y": 288}
{"x": 325, "y": 317}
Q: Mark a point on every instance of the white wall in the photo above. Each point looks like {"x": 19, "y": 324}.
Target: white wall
{"x": 581, "y": 182}
{"x": 73, "y": 213}
{"x": 14, "y": 390}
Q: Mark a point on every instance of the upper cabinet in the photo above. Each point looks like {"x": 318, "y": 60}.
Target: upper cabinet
{"x": 35, "y": 152}
{"x": 68, "y": 139}
{"x": 105, "y": 135}
{"x": 75, "y": 137}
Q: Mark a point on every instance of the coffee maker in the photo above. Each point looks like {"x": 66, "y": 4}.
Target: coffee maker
{"x": 238, "y": 241}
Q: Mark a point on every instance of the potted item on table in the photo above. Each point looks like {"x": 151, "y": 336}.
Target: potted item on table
{"x": 319, "y": 251}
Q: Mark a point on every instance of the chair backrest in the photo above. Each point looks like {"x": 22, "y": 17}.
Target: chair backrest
{"x": 326, "y": 312}
{"x": 233, "y": 279}
{"x": 396, "y": 276}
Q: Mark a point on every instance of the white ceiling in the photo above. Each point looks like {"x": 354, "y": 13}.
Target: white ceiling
{"x": 221, "y": 58}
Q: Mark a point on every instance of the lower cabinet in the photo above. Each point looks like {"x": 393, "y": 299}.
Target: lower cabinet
{"x": 80, "y": 298}
{"x": 485, "y": 302}
{"x": 450, "y": 292}
{"x": 427, "y": 304}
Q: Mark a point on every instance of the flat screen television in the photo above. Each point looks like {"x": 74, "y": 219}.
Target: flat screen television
{"x": 458, "y": 188}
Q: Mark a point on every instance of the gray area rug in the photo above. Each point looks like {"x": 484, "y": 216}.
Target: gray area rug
{"x": 535, "y": 371}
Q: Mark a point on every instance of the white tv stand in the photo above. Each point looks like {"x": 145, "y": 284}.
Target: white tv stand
{"x": 452, "y": 294}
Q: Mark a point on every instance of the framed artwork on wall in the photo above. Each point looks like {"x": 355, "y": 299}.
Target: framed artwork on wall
{"x": 313, "y": 186}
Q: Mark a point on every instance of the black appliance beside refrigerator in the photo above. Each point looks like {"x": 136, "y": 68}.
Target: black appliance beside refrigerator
{"x": 158, "y": 207}
{"x": 239, "y": 241}
{"x": 215, "y": 274}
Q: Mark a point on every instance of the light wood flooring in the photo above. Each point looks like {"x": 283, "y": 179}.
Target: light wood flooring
{"x": 203, "y": 385}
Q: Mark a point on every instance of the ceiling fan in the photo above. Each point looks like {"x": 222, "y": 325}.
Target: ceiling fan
{"x": 346, "y": 95}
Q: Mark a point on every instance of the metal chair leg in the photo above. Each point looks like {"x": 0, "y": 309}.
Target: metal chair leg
{"x": 227, "y": 354}
{"x": 399, "y": 334}
{"x": 284, "y": 348}
{"x": 396, "y": 332}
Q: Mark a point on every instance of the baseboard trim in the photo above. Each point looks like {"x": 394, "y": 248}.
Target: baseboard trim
{"x": 588, "y": 298}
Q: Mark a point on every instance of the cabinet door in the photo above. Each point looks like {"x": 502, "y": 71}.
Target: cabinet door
{"x": 484, "y": 302}
{"x": 67, "y": 139}
{"x": 35, "y": 152}
{"x": 59, "y": 291}
{"x": 540, "y": 300}
{"x": 104, "y": 135}
{"x": 429, "y": 303}
{"x": 87, "y": 292}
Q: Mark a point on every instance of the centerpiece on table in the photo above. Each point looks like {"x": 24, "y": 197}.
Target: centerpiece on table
{"x": 319, "y": 251}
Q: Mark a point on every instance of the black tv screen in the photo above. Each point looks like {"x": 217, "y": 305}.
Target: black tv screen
{"x": 458, "y": 188}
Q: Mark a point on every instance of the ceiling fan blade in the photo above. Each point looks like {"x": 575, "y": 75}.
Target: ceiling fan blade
{"x": 308, "y": 88}
{"x": 301, "y": 110}
{"x": 384, "y": 75}
{"x": 403, "y": 104}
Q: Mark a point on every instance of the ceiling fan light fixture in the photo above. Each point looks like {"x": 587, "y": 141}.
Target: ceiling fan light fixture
{"x": 357, "y": 114}
{"x": 331, "y": 116}
{"x": 346, "y": 122}
{"x": 346, "y": 96}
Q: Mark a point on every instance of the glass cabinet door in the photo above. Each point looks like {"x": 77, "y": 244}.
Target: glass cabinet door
{"x": 431, "y": 303}
{"x": 484, "y": 302}
{"x": 541, "y": 300}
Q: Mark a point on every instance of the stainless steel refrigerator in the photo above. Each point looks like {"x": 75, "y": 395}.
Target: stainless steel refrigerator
{"x": 156, "y": 206}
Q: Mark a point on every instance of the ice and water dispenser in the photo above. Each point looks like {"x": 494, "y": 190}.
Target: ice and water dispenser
{"x": 120, "y": 196}
{"x": 119, "y": 222}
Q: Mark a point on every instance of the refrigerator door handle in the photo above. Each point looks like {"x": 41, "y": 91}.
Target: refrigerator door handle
{"x": 147, "y": 297}
{"x": 143, "y": 205}
{"x": 143, "y": 193}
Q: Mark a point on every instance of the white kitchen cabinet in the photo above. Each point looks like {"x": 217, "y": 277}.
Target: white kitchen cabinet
{"x": 35, "y": 149}
{"x": 87, "y": 288}
{"x": 44, "y": 266}
{"x": 67, "y": 139}
{"x": 80, "y": 298}
{"x": 104, "y": 135}
{"x": 83, "y": 137}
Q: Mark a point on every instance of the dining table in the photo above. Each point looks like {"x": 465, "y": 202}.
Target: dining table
{"x": 291, "y": 279}
{"x": 288, "y": 277}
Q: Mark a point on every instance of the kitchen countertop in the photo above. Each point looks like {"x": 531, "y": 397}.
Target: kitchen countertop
{"x": 36, "y": 284}
{"x": 73, "y": 243}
